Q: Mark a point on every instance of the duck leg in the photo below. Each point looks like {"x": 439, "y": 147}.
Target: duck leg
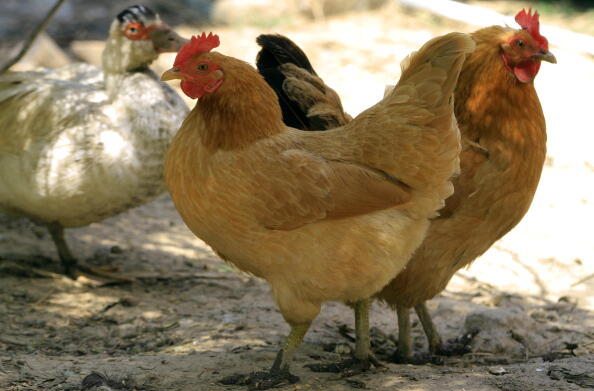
{"x": 70, "y": 264}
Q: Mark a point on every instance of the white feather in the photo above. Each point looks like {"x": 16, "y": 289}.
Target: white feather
{"x": 78, "y": 144}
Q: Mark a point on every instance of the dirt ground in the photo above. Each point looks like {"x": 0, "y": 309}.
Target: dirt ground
{"x": 189, "y": 319}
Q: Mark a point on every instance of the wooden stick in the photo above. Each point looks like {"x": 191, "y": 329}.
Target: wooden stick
{"x": 581, "y": 281}
{"x": 29, "y": 41}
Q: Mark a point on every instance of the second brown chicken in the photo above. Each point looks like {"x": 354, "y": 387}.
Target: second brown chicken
{"x": 503, "y": 152}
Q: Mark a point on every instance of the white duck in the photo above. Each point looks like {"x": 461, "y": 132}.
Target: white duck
{"x": 79, "y": 144}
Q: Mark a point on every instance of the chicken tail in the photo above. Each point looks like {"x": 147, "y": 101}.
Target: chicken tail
{"x": 426, "y": 68}
{"x": 306, "y": 101}
{"x": 425, "y": 92}
{"x": 412, "y": 134}
{"x": 278, "y": 50}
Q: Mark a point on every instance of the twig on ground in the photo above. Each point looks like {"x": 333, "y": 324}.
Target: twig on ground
{"x": 588, "y": 277}
{"x": 9, "y": 341}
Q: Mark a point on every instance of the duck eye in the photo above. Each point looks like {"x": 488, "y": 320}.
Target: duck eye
{"x": 202, "y": 67}
{"x": 133, "y": 29}
{"x": 520, "y": 43}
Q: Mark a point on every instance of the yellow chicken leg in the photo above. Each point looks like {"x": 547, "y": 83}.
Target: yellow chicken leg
{"x": 285, "y": 355}
{"x": 435, "y": 344}
{"x": 404, "y": 353}
{"x": 405, "y": 350}
{"x": 279, "y": 373}
{"x": 362, "y": 341}
{"x": 362, "y": 357}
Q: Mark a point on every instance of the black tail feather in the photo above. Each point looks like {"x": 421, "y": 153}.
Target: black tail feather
{"x": 276, "y": 51}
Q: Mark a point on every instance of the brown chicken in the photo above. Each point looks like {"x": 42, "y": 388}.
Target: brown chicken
{"x": 503, "y": 139}
{"x": 322, "y": 216}
{"x": 503, "y": 153}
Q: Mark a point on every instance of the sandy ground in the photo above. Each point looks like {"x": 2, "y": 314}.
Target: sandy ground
{"x": 190, "y": 319}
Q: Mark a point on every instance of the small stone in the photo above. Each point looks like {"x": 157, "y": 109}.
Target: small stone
{"x": 342, "y": 349}
{"x": 497, "y": 371}
{"x": 116, "y": 250}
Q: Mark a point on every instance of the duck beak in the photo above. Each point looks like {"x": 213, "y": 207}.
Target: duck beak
{"x": 171, "y": 74}
{"x": 545, "y": 55}
{"x": 166, "y": 40}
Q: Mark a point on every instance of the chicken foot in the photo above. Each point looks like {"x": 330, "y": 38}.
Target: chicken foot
{"x": 433, "y": 337}
{"x": 362, "y": 356}
{"x": 279, "y": 373}
{"x": 404, "y": 354}
{"x": 455, "y": 347}
{"x": 70, "y": 264}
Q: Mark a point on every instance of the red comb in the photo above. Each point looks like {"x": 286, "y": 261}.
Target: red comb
{"x": 198, "y": 44}
{"x": 529, "y": 22}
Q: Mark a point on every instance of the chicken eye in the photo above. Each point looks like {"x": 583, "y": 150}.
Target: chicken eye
{"x": 520, "y": 43}
{"x": 202, "y": 67}
{"x": 133, "y": 30}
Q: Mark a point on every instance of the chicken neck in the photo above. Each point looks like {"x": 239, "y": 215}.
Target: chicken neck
{"x": 242, "y": 111}
{"x": 122, "y": 56}
{"x": 489, "y": 97}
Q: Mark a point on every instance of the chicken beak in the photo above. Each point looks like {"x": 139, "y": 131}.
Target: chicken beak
{"x": 545, "y": 55}
{"x": 171, "y": 74}
{"x": 166, "y": 40}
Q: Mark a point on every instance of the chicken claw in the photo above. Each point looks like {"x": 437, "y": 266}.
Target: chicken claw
{"x": 279, "y": 373}
{"x": 437, "y": 349}
{"x": 346, "y": 368}
{"x": 404, "y": 354}
{"x": 261, "y": 380}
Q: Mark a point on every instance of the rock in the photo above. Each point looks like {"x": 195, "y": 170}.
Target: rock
{"x": 581, "y": 374}
{"x": 497, "y": 371}
{"x": 504, "y": 331}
